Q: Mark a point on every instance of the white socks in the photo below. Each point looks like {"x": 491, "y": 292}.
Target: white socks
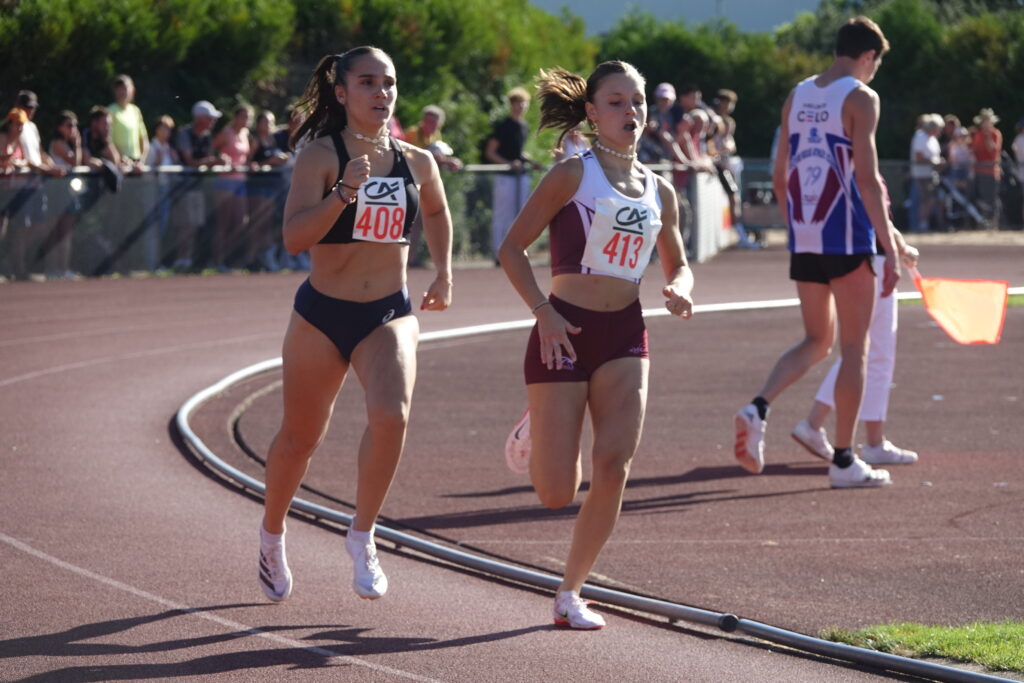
{"x": 357, "y": 540}
{"x": 269, "y": 539}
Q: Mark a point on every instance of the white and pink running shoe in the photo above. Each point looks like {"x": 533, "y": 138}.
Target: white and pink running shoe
{"x": 571, "y": 611}
{"x": 749, "y": 448}
{"x": 517, "y": 446}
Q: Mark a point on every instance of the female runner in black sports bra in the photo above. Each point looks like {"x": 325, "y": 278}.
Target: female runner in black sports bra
{"x": 355, "y": 193}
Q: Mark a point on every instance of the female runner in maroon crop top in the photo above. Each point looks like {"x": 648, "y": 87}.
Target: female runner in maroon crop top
{"x": 589, "y": 347}
{"x": 353, "y": 310}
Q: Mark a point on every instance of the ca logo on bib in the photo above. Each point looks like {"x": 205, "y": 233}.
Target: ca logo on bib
{"x": 621, "y": 238}
{"x": 380, "y": 210}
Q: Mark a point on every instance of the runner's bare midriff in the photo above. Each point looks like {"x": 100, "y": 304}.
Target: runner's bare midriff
{"x": 595, "y": 292}
{"x": 358, "y": 272}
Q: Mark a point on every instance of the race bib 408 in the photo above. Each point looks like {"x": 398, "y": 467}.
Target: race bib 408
{"x": 380, "y": 210}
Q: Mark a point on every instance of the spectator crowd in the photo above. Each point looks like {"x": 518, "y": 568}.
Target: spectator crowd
{"x": 961, "y": 177}
{"x": 958, "y": 176}
{"x": 187, "y": 223}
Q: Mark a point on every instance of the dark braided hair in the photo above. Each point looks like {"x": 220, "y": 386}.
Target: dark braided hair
{"x": 320, "y": 108}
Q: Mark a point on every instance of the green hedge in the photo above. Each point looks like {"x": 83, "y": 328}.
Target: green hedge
{"x": 949, "y": 56}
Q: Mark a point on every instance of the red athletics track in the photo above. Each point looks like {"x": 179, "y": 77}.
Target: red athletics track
{"x": 122, "y": 561}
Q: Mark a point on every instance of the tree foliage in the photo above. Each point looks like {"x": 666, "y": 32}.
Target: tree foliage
{"x": 177, "y": 51}
{"x": 713, "y": 56}
{"x": 947, "y": 57}
{"x": 950, "y": 56}
{"x": 460, "y": 54}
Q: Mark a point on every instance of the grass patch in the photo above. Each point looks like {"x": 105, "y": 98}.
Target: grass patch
{"x": 998, "y": 647}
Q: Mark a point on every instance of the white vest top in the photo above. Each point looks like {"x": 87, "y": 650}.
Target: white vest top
{"x": 600, "y": 231}
{"x": 825, "y": 210}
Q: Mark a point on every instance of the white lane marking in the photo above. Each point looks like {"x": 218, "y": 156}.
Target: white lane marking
{"x": 454, "y": 333}
{"x": 191, "y": 611}
{"x": 129, "y": 356}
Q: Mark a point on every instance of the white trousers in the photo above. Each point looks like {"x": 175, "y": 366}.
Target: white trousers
{"x": 511, "y": 191}
{"x": 881, "y": 357}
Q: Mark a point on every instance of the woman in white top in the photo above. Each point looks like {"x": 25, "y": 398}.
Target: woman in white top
{"x": 588, "y": 350}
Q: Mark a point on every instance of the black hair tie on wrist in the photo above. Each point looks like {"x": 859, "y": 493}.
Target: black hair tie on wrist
{"x": 341, "y": 195}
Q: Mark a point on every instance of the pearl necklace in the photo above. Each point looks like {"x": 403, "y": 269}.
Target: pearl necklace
{"x": 380, "y": 143}
{"x": 609, "y": 150}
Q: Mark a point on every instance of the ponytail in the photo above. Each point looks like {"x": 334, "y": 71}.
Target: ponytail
{"x": 563, "y": 98}
{"x": 322, "y": 113}
{"x": 563, "y": 94}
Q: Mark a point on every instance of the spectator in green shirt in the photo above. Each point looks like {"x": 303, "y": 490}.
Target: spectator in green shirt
{"x": 128, "y": 132}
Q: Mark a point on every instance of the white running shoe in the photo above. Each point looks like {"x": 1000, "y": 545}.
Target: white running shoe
{"x": 573, "y": 612}
{"x": 887, "y": 454}
{"x": 368, "y": 580}
{"x": 517, "y": 446}
{"x": 858, "y": 475}
{"x": 749, "y": 447}
{"x": 814, "y": 440}
{"x": 275, "y": 577}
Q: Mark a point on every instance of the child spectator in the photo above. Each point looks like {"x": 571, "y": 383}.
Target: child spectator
{"x": 66, "y": 152}
{"x": 960, "y": 160}
{"x": 264, "y": 188}
{"x": 161, "y": 153}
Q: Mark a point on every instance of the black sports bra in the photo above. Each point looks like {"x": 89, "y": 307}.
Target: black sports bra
{"x": 341, "y": 231}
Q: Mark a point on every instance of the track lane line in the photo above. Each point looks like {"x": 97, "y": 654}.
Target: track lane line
{"x": 216, "y": 619}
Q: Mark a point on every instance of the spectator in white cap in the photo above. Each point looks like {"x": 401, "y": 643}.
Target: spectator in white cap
{"x": 195, "y": 146}
{"x": 925, "y": 163}
{"x": 205, "y": 108}
{"x": 666, "y": 110}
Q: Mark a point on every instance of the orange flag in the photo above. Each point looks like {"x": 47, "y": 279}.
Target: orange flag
{"x": 970, "y": 311}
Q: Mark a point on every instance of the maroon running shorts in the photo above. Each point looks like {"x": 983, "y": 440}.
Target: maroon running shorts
{"x": 605, "y": 336}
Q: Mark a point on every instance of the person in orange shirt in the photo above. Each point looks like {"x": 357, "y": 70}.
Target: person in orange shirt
{"x": 987, "y": 145}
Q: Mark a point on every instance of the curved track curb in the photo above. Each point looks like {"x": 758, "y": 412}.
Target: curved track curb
{"x": 673, "y": 611}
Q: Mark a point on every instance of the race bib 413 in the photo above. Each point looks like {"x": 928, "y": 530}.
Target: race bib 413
{"x": 621, "y": 238}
